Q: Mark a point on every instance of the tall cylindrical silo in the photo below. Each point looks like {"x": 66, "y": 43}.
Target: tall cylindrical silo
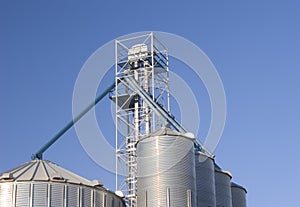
{"x": 238, "y": 194}
{"x": 166, "y": 170}
{"x": 205, "y": 180}
{"x": 223, "y": 187}
{"x": 43, "y": 183}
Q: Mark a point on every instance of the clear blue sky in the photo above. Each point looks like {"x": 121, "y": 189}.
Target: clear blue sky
{"x": 254, "y": 45}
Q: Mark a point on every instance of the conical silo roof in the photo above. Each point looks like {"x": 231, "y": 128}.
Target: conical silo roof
{"x": 235, "y": 185}
{"x": 165, "y": 131}
{"x": 42, "y": 170}
{"x": 219, "y": 169}
{"x": 169, "y": 132}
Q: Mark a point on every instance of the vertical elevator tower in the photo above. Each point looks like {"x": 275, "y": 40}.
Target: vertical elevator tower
{"x": 142, "y": 79}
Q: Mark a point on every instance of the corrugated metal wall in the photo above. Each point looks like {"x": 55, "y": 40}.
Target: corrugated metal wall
{"x": 223, "y": 188}
{"x": 238, "y": 194}
{"x": 48, "y": 194}
{"x": 166, "y": 172}
{"x": 205, "y": 180}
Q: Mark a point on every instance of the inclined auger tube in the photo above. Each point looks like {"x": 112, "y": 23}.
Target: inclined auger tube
{"x": 39, "y": 154}
{"x": 134, "y": 86}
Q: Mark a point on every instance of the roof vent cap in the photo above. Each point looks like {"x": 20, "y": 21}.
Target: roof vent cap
{"x": 57, "y": 177}
{"x": 6, "y": 176}
{"x": 120, "y": 194}
{"x": 97, "y": 183}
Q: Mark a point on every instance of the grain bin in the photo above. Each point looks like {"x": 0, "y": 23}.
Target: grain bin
{"x": 238, "y": 194}
{"x": 43, "y": 183}
{"x": 223, "y": 187}
{"x": 166, "y": 170}
{"x": 205, "y": 180}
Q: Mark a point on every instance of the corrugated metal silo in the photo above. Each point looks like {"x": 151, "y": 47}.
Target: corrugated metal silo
{"x": 205, "y": 180}
{"x": 43, "y": 183}
{"x": 238, "y": 194}
{"x": 223, "y": 187}
{"x": 166, "y": 170}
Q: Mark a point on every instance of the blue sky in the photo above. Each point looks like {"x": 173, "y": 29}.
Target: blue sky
{"x": 254, "y": 45}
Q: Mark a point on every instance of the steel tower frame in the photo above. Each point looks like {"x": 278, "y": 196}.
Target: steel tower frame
{"x": 142, "y": 61}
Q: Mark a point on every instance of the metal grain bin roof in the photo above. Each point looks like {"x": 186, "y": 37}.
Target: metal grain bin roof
{"x": 219, "y": 169}
{"x": 235, "y": 185}
{"x": 43, "y": 170}
{"x": 169, "y": 132}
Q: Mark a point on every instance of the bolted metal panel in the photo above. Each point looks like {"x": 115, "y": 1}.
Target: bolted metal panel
{"x": 39, "y": 194}
{"x": 72, "y": 196}
{"x": 166, "y": 170}
{"x": 6, "y": 194}
{"x": 223, "y": 188}
{"x": 87, "y": 198}
{"x": 56, "y": 194}
{"x": 238, "y": 194}
{"x": 99, "y": 198}
{"x": 205, "y": 180}
{"x": 111, "y": 201}
{"x": 49, "y": 194}
{"x": 108, "y": 200}
{"x": 23, "y": 195}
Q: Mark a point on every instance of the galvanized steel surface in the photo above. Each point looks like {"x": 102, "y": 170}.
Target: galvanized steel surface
{"x": 41, "y": 183}
{"x": 49, "y": 194}
{"x": 238, "y": 194}
{"x": 205, "y": 180}
{"x": 223, "y": 188}
{"x": 166, "y": 170}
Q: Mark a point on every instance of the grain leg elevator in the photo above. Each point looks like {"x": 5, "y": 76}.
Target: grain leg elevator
{"x": 141, "y": 66}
